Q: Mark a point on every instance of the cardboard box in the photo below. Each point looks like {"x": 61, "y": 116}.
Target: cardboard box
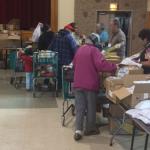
{"x": 129, "y": 79}
{"x": 113, "y": 83}
{"x": 116, "y": 111}
{"x": 129, "y": 70}
{"x": 141, "y": 92}
{"x": 135, "y": 70}
{"x": 117, "y": 89}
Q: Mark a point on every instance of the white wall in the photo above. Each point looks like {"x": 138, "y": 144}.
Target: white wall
{"x": 65, "y": 12}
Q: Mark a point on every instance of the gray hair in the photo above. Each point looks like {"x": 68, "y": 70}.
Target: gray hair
{"x": 88, "y": 41}
{"x": 116, "y": 22}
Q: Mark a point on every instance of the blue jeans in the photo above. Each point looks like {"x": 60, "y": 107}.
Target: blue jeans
{"x": 29, "y": 80}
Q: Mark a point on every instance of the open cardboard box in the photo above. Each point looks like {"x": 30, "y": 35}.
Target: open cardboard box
{"x": 135, "y": 70}
{"x": 140, "y": 92}
{"x": 115, "y": 83}
{"x": 117, "y": 91}
{"x": 132, "y": 69}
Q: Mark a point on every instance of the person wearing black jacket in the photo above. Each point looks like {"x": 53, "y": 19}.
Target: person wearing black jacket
{"x": 144, "y": 35}
{"x": 46, "y": 38}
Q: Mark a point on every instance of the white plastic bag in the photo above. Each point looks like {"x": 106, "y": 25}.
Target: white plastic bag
{"x": 37, "y": 32}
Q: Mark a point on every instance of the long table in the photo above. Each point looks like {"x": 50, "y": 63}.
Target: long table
{"x": 140, "y": 125}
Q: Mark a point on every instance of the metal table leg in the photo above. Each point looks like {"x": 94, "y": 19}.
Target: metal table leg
{"x": 146, "y": 141}
{"x": 133, "y": 137}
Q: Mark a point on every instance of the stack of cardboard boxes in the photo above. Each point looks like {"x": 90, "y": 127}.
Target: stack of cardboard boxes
{"x": 128, "y": 90}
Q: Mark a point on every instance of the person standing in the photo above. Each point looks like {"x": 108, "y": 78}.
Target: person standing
{"x": 45, "y": 38}
{"x": 26, "y": 57}
{"x": 118, "y": 38}
{"x": 103, "y": 33}
{"x": 66, "y": 46}
{"x": 87, "y": 63}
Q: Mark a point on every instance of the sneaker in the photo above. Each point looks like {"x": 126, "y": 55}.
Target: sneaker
{"x": 77, "y": 136}
{"x": 92, "y": 132}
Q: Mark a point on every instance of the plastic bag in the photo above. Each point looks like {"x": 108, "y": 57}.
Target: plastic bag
{"x": 37, "y": 32}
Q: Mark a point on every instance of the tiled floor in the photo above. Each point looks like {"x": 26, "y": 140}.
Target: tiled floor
{"x": 37, "y": 128}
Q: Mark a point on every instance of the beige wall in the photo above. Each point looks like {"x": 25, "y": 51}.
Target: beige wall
{"x": 65, "y": 12}
{"x": 86, "y": 19}
{"x": 148, "y": 5}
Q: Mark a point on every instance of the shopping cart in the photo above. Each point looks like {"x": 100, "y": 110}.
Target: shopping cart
{"x": 16, "y": 64}
{"x": 45, "y": 67}
{"x": 68, "y": 96}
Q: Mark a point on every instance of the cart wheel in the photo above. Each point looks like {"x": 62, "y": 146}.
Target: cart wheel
{"x": 63, "y": 121}
{"x": 73, "y": 110}
{"x": 11, "y": 80}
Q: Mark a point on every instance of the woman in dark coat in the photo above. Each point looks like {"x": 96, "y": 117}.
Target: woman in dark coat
{"x": 46, "y": 38}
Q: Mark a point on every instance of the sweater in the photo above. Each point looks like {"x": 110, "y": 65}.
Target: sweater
{"x": 28, "y": 63}
{"x": 88, "y": 62}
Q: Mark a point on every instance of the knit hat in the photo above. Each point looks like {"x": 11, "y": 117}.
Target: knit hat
{"x": 94, "y": 38}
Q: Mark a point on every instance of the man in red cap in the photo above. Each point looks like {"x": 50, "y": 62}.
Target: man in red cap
{"x": 66, "y": 46}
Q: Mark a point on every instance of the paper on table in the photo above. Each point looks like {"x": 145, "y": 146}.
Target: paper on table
{"x": 129, "y": 62}
{"x": 135, "y": 56}
{"x": 143, "y": 105}
{"x": 139, "y": 114}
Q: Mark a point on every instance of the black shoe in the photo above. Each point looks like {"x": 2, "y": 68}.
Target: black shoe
{"x": 77, "y": 136}
{"x": 92, "y": 132}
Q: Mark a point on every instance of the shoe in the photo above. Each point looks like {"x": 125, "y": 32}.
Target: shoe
{"x": 77, "y": 136}
{"x": 92, "y": 132}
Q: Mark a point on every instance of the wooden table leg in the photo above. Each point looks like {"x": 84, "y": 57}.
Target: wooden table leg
{"x": 146, "y": 141}
{"x": 133, "y": 137}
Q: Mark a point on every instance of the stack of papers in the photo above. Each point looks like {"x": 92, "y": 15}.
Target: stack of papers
{"x": 141, "y": 111}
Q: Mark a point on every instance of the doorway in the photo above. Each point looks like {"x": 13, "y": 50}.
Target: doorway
{"x": 125, "y": 18}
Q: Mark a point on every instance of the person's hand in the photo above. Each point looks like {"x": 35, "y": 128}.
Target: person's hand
{"x": 117, "y": 46}
{"x": 118, "y": 66}
{"x": 103, "y": 52}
